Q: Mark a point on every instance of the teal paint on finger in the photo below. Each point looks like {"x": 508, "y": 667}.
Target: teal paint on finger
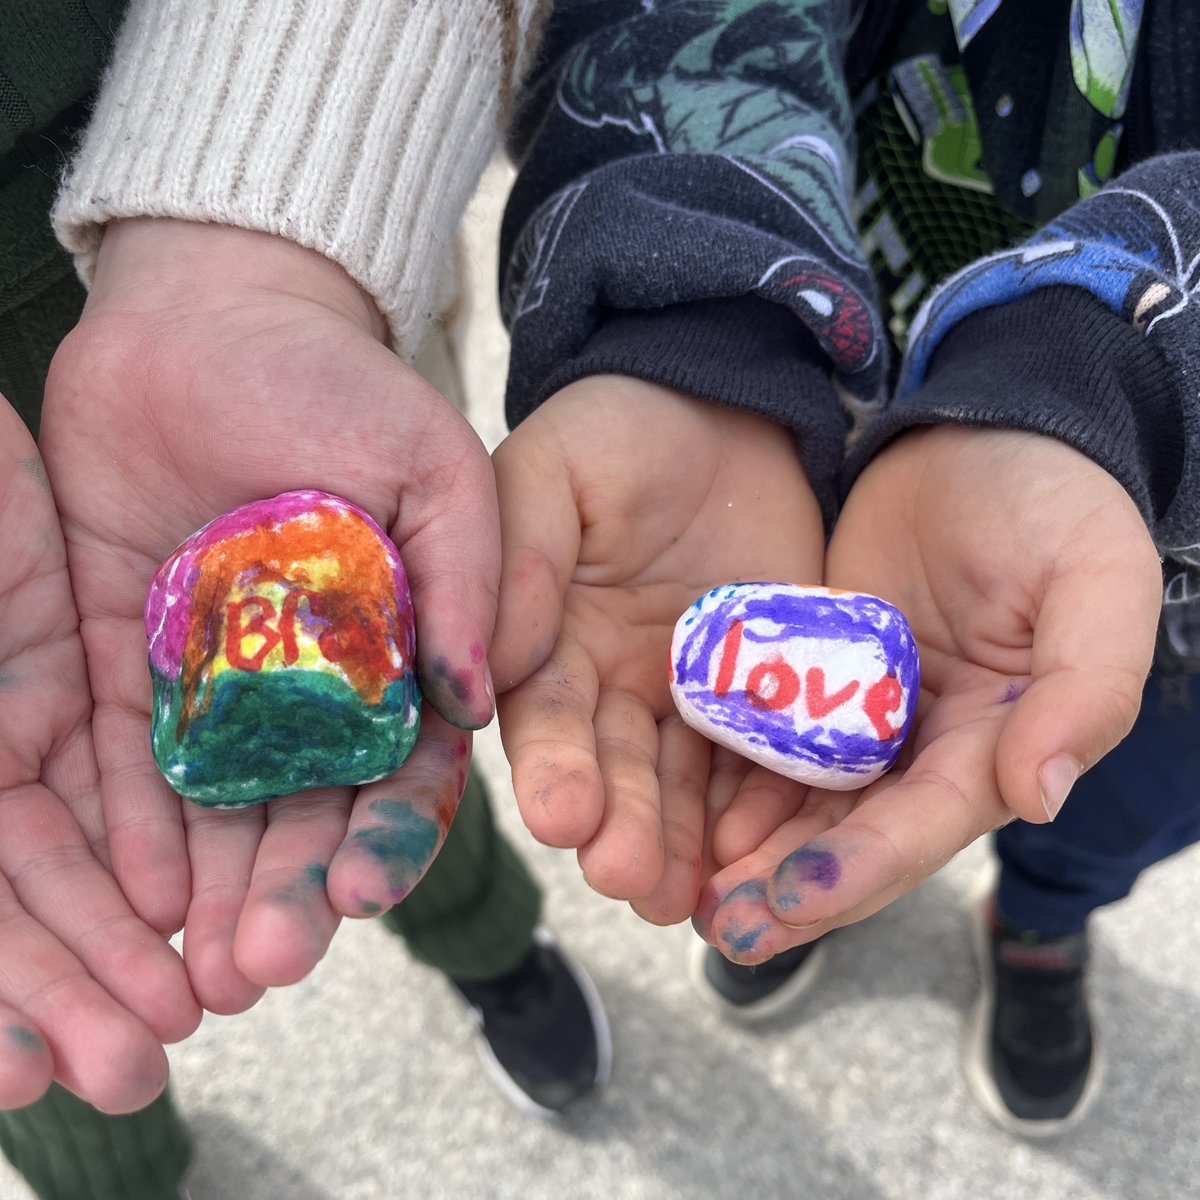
{"x": 457, "y": 683}
{"x": 25, "y": 1038}
{"x": 370, "y": 908}
{"x": 742, "y": 940}
{"x": 308, "y": 887}
{"x": 403, "y": 845}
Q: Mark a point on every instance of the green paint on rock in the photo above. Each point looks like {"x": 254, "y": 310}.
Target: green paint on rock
{"x": 272, "y": 733}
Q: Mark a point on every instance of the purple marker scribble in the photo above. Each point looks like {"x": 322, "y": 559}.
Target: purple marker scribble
{"x": 855, "y": 619}
{"x": 808, "y": 865}
{"x": 1013, "y": 692}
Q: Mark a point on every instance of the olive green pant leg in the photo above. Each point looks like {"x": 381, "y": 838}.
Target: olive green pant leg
{"x": 67, "y": 1150}
{"x": 473, "y": 914}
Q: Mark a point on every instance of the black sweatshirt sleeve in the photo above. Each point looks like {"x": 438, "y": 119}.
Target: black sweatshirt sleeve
{"x": 1056, "y": 362}
{"x": 1089, "y": 332}
{"x": 681, "y": 214}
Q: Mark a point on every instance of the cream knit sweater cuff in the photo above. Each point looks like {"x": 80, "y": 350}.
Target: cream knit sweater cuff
{"x": 358, "y": 128}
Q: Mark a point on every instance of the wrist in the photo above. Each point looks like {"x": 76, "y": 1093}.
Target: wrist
{"x": 156, "y": 265}
{"x": 742, "y": 353}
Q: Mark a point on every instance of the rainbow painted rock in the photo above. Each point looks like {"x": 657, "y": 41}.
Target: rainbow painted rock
{"x": 281, "y": 649}
{"x": 816, "y": 684}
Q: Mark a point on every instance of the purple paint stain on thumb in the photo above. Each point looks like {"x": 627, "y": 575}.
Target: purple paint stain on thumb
{"x": 808, "y": 865}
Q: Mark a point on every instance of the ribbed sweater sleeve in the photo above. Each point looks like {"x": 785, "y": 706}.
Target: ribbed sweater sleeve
{"x": 356, "y": 129}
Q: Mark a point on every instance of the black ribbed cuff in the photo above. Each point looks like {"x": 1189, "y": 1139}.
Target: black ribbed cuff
{"x": 1061, "y": 363}
{"x": 745, "y": 352}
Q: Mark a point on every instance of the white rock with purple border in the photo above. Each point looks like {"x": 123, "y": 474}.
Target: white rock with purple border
{"x": 816, "y": 684}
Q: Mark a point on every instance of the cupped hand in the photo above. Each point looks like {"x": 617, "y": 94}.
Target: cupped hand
{"x": 215, "y": 366}
{"x": 88, "y": 993}
{"x": 622, "y": 502}
{"x": 1033, "y": 589}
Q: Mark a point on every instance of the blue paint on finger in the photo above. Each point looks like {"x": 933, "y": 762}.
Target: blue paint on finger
{"x": 25, "y": 1038}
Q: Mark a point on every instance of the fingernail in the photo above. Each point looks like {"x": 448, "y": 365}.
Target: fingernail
{"x": 707, "y": 904}
{"x": 1056, "y": 779}
{"x": 489, "y": 689}
{"x": 482, "y": 716}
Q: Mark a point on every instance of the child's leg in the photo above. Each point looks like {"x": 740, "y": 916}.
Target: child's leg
{"x": 472, "y": 916}
{"x": 1137, "y": 806}
{"x": 68, "y": 1151}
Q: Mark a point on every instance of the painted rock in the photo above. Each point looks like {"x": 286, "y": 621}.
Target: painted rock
{"x": 815, "y": 684}
{"x": 281, "y": 649}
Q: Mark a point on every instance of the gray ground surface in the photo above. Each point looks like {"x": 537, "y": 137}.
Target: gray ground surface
{"x": 362, "y": 1083}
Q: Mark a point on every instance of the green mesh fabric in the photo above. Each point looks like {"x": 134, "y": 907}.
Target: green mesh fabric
{"x": 917, "y": 229}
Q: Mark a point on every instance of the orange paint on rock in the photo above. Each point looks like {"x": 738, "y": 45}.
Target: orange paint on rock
{"x": 360, "y": 615}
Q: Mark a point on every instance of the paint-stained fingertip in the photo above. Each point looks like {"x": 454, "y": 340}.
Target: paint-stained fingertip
{"x": 125, "y": 1083}
{"x": 26, "y": 1064}
{"x": 380, "y": 864}
{"x": 743, "y": 926}
{"x": 463, "y": 694}
{"x": 807, "y": 870}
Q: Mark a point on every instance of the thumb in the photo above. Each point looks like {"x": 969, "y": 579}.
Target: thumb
{"x": 540, "y": 539}
{"x": 1092, "y": 648}
{"x": 452, "y": 557}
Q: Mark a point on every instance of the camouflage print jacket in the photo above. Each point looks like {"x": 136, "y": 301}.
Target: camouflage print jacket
{"x": 878, "y": 215}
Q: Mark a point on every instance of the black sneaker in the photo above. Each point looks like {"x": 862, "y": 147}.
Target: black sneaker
{"x": 544, "y": 1037}
{"x": 1030, "y": 1053}
{"x": 762, "y": 992}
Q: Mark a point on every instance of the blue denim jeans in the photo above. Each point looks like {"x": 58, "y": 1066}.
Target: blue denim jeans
{"x": 1137, "y": 806}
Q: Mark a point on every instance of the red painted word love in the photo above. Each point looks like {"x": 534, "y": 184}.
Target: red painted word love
{"x": 773, "y": 686}
{"x": 237, "y": 628}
